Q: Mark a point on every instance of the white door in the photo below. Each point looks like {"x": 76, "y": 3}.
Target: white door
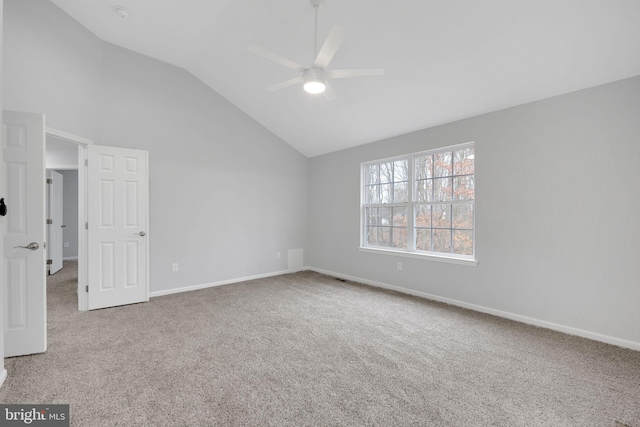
{"x": 118, "y": 217}
{"x": 25, "y": 304}
{"x": 54, "y": 221}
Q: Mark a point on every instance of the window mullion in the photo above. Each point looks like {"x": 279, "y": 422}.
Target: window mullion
{"x": 392, "y": 183}
{"x": 411, "y": 240}
{"x": 453, "y": 193}
{"x": 451, "y": 229}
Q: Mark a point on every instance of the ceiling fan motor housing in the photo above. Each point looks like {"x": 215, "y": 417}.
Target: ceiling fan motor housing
{"x": 314, "y": 80}
{"x": 314, "y": 73}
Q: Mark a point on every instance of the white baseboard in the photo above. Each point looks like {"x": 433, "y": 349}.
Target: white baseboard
{"x": 3, "y": 376}
{"x": 71, "y": 258}
{"x": 507, "y": 315}
{"x": 221, "y": 283}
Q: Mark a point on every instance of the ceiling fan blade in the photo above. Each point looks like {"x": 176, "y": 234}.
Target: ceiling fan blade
{"x": 329, "y": 47}
{"x": 284, "y": 84}
{"x": 329, "y": 93}
{"x": 275, "y": 58}
{"x": 346, "y": 74}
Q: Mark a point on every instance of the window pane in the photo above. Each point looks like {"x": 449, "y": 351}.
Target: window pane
{"x": 463, "y": 188}
{"x": 462, "y": 242}
{"x": 424, "y": 167}
{"x": 400, "y": 192}
{"x": 372, "y": 216}
{"x": 372, "y": 234}
{"x": 385, "y": 216}
{"x": 441, "y": 216}
{"x": 442, "y": 189}
{"x": 442, "y": 241}
{"x": 386, "y": 172}
{"x": 423, "y": 239}
{"x": 423, "y": 216}
{"x": 424, "y": 190}
{"x": 401, "y": 170}
{"x": 463, "y": 161}
{"x": 463, "y": 216}
{"x": 371, "y": 174}
{"x": 400, "y": 217}
{"x": 442, "y": 164}
{"x": 384, "y": 236}
{"x": 372, "y": 195}
{"x": 399, "y": 227}
{"x": 385, "y": 193}
{"x": 399, "y": 237}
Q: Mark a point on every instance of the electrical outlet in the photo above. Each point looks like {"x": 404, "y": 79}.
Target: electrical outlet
{"x": 399, "y": 266}
{"x": 278, "y": 255}
{"x": 66, "y": 244}
{"x": 174, "y": 267}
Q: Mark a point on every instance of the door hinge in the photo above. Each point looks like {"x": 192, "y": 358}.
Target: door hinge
{"x": 49, "y": 221}
{"x": 49, "y": 181}
{"x": 86, "y": 162}
{"x": 86, "y": 225}
{"x": 87, "y": 288}
{"x": 49, "y": 261}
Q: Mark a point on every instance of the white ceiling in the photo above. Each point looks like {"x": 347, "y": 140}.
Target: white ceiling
{"x": 444, "y": 60}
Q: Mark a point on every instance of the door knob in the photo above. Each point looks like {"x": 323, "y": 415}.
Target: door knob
{"x": 33, "y": 246}
{"x": 142, "y": 233}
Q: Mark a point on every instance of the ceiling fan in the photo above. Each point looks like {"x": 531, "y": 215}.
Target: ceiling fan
{"x": 315, "y": 78}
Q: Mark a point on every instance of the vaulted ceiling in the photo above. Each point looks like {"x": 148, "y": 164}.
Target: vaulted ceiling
{"x": 443, "y": 60}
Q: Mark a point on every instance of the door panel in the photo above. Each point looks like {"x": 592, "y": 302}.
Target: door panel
{"x": 24, "y": 268}
{"x": 118, "y": 226}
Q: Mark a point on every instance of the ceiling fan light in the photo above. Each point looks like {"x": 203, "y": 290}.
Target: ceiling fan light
{"x": 314, "y": 87}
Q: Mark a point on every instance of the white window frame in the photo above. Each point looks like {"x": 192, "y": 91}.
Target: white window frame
{"x": 411, "y": 251}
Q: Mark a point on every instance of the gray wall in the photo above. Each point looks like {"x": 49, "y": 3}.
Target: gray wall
{"x": 53, "y": 66}
{"x": 225, "y": 193}
{"x": 70, "y": 212}
{"x": 557, "y": 212}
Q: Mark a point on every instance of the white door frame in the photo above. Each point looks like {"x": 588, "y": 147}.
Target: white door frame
{"x": 83, "y": 235}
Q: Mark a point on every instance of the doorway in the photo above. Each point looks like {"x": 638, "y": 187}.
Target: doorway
{"x": 62, "y": 218}
{"x": 61, "y": 163}
{"x": 65, "y": 154}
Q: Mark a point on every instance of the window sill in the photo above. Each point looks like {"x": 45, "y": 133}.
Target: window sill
{"x": 447, "y": 259}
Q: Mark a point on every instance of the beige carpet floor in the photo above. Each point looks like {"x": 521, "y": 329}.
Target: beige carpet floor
{"x": 307, "y": 350}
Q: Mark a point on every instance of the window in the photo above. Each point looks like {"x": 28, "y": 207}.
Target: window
{"x": 421, "y": 203}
